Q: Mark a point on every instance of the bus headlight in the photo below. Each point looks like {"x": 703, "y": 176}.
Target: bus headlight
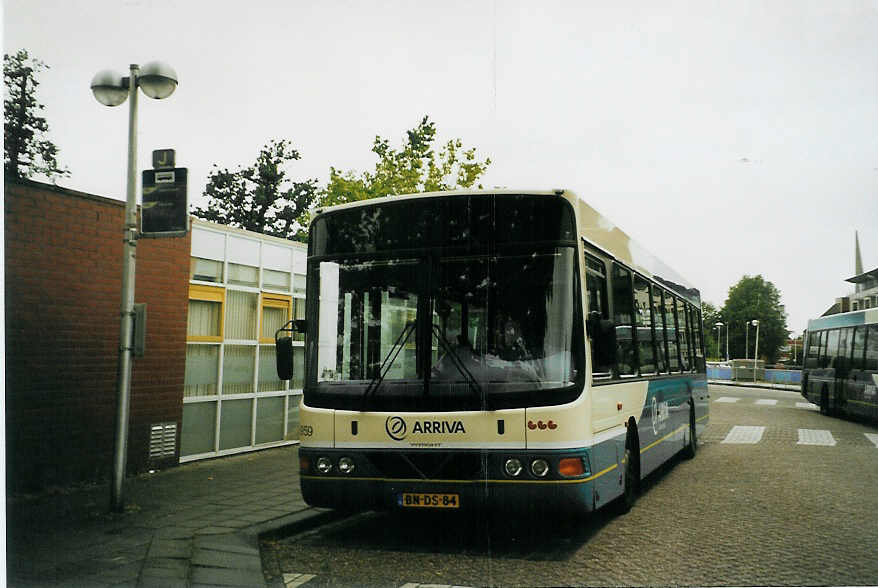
{"x": 346, "y": 465}
{"x": 513, "y": 467}
{"x": 324, "y": 465}
{"x": 539, "y": 468}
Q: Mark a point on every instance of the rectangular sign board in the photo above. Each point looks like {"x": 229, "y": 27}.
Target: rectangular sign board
{"x": 165, "y": 209}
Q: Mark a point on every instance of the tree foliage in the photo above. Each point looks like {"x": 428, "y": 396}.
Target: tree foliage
{"x": 755, "y": 298}
{"x": 26, "y": 149}
{"x": 710, "y": 316}
{"x": 261, "y": 197}
{"x": 414, "y": 167}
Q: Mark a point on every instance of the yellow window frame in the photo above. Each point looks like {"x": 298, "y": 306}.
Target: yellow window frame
{"x": 209, "y": 294}
{"x": 281, "y": 301}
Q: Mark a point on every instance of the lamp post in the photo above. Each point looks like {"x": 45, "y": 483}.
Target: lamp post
{"x": 719, "y": 328}
{"x": 157, "y": 80}
{"x": 755, "y": 323}
{"x": 746, "y": 340}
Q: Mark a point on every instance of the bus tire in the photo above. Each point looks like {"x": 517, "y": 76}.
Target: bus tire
{"x": 631, "y": 476}
{"x": 692, "y": 446}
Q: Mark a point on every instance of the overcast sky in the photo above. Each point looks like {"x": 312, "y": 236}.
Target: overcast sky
{"x": 729, "y": 138}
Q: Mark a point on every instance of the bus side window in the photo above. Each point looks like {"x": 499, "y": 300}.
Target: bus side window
{"x": 858, "y": 359}
{"x": 842, "y": 361}
{"x": 683, "y": 336}
{"x": 831, "y": 349}
{"x": 871, "y": 356}
{"x": 813, "y": 349}
{"x": 623, "y": 303}
{"x": 658, "y": 312}
{"x": 598, "y": 310}
{"x": 643, "y": 322}
{"x": 671, "y": 334}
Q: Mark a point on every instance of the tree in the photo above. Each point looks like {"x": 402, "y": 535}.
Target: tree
{"x": 755, "y": 298}
{"x": 709, "y": 318}
{"x": 415, "y": 167}
{"x": 261, "y": 198}
{"x": 26, "y": 150}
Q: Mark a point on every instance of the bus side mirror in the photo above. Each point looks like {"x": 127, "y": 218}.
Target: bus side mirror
{"x": 283, "y": 347}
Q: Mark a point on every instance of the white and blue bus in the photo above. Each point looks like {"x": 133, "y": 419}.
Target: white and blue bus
{"x": 503, "y": 349}
{"x": 840, "y": 370}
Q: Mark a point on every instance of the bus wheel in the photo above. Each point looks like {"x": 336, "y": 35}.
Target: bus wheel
{"x": 692, "y": 446}
{"x": 632, "y": 475}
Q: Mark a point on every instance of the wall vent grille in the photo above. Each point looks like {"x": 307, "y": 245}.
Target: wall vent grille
{"x": 162, "y": 440}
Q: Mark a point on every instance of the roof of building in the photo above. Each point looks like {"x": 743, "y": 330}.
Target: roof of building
{"x": 864, "y": 277}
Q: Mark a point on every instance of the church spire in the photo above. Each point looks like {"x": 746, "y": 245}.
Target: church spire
{"x": 858, "y": 259}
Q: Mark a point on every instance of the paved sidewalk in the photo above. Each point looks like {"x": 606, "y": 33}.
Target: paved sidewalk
{"x": 197, "y": 524}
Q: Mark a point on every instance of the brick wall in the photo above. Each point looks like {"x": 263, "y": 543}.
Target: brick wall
{"x": 62, "y": 295}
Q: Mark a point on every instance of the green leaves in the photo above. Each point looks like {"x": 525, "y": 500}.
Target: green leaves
{"x": 26, "y": 150}
{"x": 754, "y": 298}
{"x": 261, "y": 198}
{"x": 414, "y": 167}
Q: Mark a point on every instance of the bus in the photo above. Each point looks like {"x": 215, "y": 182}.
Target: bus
{"x": 490, "y": 349}
{"x": 840, "y": 369}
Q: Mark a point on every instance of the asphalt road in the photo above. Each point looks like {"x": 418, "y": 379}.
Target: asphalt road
{"x": 777, "y": 495}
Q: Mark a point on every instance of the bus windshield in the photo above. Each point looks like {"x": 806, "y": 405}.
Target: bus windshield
{"x": 475, "y": 318}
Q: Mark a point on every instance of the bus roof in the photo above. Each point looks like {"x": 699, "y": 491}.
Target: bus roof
{"x": 597, "y": 230}
{"x": 846, "y": 319}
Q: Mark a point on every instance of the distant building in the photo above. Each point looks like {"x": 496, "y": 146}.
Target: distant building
{"x": 865, "y": 293}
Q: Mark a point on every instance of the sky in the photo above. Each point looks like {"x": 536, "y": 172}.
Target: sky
{"x": 728, "y": 138}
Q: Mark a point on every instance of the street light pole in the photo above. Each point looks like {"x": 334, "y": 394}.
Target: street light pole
{"x": 126, "y": 333}
{"x": 157, "y": 80}
{"x": 719, "y": 330}
{"x": 746, "y": 340}
{"x": 756, "y": 351}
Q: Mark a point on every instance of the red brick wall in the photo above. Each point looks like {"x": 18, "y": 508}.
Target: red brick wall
{"x": 62, "y": 295}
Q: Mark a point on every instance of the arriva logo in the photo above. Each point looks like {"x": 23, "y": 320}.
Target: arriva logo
{"x": 397, "y": 428}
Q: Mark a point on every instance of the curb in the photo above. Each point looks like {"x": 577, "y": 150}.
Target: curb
{"x": 792, "y": 389}
{"x": 227, "y": 559}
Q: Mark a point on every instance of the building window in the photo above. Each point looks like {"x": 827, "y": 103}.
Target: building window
{"x": 276, "y": 280}
{"x": 205, "y": 270}
{"x": 205, "y": 322}
{"x": 299, "y": 284}
{"x": 241, "y": 315}
{"x": 204, "y": 334}
{"x": 275, "y": 313}
{"x": 243, "y": 275}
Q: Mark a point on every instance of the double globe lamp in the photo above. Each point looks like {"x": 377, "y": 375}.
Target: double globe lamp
{"x": 157, "y": 80}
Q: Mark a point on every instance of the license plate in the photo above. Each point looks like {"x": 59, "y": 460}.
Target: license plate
{"x": 428, "y": 500}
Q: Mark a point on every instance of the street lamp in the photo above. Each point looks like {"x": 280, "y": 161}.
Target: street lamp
{"x": 755, "y": 323}
{"x": 719, "y": 328}
{"x": 157, "y": 80}
{"x": 746, "y": 340}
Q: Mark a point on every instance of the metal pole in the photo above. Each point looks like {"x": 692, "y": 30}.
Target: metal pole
{"x": 126, "y": 332}
{"x": 727, "y": 342}
{"x": 756, "y": 352}
{"x": 747, "y": 340}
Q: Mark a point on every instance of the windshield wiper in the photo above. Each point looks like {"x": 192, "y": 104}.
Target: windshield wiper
{"x": 387, "y": 363}
{"x": 458, "y": 363}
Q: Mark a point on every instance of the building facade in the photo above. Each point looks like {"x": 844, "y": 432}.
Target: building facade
{"x": 243, "y": 286}
{"x": 865, "y": 293}
{"x": 205, "y": 385}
